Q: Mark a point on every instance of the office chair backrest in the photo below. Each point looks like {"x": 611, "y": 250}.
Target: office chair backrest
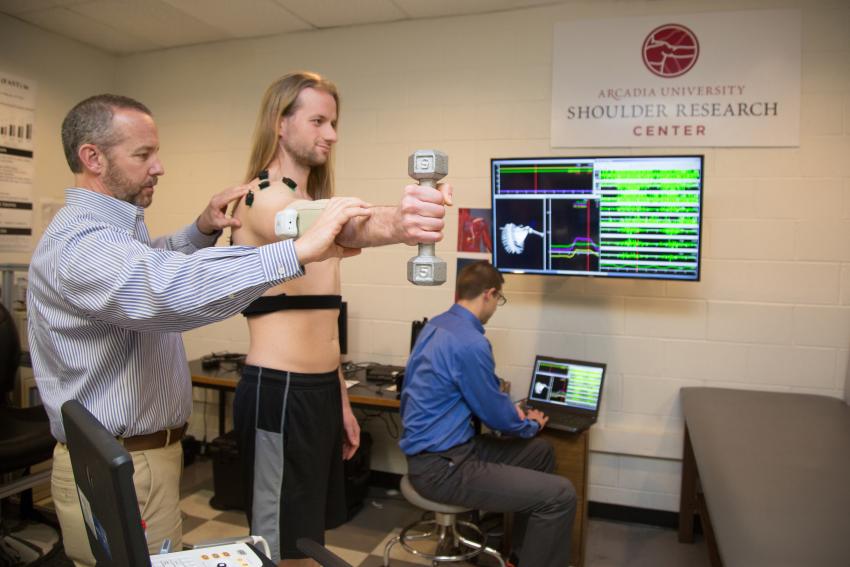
{"x": 10, "y": 353}
{"x": 416, "y": 328}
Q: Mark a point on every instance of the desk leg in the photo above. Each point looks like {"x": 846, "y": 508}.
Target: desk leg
{"x": 571, "y": 458}
{"x": 688, "y": 496}
{"x": 222, "y": 401}
{"x": 691, "y": 502}
{"x": 708, "y": 530}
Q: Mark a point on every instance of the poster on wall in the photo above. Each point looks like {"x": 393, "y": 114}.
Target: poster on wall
{"x": 17, "y": 113}
{"x": 708, "y": 79}
{"x": 474, "y": 242}
{"x": 473, "y": 231}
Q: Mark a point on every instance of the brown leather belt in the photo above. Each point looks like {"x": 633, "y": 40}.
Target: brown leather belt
{"x": 156, "y": 440}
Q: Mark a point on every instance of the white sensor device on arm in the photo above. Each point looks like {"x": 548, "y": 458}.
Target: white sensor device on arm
{"x": 296, "y": 219}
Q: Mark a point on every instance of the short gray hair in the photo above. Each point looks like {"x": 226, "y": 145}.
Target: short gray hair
{"x": 90, "y": 122}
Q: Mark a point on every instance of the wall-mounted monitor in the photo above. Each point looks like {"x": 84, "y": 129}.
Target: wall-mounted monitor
{"x": 626, "y": 217}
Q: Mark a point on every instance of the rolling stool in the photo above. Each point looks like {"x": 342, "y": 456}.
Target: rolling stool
{"x": 449, "y": 542}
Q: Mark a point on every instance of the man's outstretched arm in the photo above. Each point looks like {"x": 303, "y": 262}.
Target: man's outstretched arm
{"x": 417, "y": 218}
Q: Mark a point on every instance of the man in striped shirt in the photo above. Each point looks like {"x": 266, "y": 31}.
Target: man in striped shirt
{"x": 106, "y": 304}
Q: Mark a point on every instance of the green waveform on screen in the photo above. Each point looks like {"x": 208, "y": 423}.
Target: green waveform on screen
{"x": 646, "y": 209}
{"x": 650, "y": 174}
{"x": 636, "y": 243}
{"x": 638, "y": 230}
{"x": 625, "y": 185}
{"x": 545, "y": 169}
{"x": 646, "y": 256}
{"x": 648, "y": 267}
{"x": 650, "y": 198}
{"x": 651, "y": 220}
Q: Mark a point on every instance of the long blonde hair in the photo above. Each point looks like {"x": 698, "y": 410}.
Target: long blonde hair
{"x": 281, "y": 100}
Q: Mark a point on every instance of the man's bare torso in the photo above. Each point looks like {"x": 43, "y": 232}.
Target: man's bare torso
{"x": 296, "y": 340}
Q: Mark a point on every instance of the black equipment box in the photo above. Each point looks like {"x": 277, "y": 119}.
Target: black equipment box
{"x": 383, "y": 372}
{"x": 357, "y": 470}
{"x": 227, "y": 474}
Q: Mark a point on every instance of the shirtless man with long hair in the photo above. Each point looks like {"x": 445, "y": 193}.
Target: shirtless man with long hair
{"x": 291, "y": 409}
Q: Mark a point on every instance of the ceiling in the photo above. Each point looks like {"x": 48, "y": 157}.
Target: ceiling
{"x": 123, "y": 27}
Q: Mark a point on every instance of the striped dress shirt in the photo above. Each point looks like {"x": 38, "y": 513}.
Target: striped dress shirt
{"x": 106, "y": 307}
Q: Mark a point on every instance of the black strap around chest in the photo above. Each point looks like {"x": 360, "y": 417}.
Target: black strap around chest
{"x": 283, "y": 302}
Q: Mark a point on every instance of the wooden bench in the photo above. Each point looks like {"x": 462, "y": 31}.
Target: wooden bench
{"x": 769, "y": 475}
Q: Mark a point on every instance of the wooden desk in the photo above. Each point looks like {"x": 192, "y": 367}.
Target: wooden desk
{"x": 224, "y": 379}
{"x": 372, "y": 396}
{"x": 571, "y": 455}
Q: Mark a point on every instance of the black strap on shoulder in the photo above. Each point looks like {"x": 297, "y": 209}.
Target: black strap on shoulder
{"x": 282, "y": 302}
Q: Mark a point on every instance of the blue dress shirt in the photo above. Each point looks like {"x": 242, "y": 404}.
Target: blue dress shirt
{"x": 106, "y": 306}
{"x": 450, "y": 378}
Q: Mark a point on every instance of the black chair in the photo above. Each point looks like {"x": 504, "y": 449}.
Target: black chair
{"x": 25, "y": 440}
{"x": 416, "y": 328}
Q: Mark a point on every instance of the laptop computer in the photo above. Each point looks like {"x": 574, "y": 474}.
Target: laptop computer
{"x": 103, "y": 471}
{"x": 567, "y": 391}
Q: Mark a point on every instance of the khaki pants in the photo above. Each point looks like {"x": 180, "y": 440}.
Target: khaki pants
{"x": 157, "y": 480}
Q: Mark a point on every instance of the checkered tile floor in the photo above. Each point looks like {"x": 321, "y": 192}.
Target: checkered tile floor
{"x": 360, "y": 541}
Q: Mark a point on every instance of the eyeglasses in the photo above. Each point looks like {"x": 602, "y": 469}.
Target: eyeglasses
{"x": 502, "y": 299}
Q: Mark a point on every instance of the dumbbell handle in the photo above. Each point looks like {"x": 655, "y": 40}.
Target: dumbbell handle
{"x": 427, "y": 249}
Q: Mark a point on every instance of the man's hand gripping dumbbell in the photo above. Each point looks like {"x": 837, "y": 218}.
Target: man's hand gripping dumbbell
{"x": 427, "y": 167}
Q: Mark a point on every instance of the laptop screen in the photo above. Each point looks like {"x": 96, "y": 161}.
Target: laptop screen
{"x": 569, "y": 384}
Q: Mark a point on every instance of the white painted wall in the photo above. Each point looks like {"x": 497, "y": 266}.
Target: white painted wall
{"x": 772, "y": 311}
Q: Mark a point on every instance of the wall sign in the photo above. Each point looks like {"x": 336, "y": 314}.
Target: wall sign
{"x": 715, "y": 79}
{"x": 17, "y": 116}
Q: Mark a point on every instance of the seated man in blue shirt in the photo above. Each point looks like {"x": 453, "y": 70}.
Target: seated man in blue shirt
{"x": 451, "y": 378}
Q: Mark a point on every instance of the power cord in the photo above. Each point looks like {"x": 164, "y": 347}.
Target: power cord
{"x": 393, "y": 428}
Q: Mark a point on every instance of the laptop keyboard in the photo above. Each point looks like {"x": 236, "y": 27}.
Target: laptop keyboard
{"x": 571, "y": 422}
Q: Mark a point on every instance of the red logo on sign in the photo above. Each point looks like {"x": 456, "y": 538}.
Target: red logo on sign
{"x": 670, "y": 50}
